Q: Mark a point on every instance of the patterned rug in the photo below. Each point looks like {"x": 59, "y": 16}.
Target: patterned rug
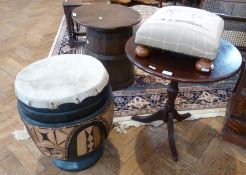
{"x": 148, "y": 93}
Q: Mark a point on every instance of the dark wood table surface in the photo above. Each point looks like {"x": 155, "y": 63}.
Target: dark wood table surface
{"x": 106, "y": 16}
{"x": 108, "y": 27}
{"x": 227, "y": 63}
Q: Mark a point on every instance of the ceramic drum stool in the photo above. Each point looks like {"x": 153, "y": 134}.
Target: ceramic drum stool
{"x": 66, "y": 105}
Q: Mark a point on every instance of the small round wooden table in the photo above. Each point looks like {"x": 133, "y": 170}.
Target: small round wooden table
{"x": 108, "y": 27}
{"x": 182, "y": 68}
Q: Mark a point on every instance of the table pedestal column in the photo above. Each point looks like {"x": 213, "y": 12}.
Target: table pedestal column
{"x": 167, "y": 114}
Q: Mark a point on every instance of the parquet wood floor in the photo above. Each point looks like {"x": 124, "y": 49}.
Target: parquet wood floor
{"x": 27, "y": 29}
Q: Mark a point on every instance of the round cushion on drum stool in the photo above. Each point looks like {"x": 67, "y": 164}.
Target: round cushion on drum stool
{"x": 66, "y": 105}
{"x": 61, "y": 79}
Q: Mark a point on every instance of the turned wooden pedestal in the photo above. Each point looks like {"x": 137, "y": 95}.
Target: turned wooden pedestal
{"x": 226, "y": 64}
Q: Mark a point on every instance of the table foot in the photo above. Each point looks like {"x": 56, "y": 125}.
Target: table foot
{"x": 159, "y": 115}
{"x": 167, "y": 114}
{"x": 181, "y": 117}
{"x": 172, "y": 144}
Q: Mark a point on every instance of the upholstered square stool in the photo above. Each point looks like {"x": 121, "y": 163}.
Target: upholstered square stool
{"x": 66, "y": 105}
{"x": 183, "y": 30}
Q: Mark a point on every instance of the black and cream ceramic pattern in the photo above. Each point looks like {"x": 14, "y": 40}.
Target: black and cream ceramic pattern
{"x": 70, "y": 142}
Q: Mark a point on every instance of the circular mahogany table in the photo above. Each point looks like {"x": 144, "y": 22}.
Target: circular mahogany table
{"x": 108, "y": 27}
{"x": 182, "y": 67}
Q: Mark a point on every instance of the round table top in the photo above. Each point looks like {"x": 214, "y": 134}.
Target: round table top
{"x": 227, "y": 63}
{"x": 105, "y": 16}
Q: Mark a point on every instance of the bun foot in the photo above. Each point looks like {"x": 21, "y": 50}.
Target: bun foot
{"x": 204, "y": 65}
{"x": 142, "y": 51}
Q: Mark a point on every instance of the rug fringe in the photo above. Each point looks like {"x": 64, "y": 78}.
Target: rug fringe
{"x": 21, "y": 135}
{"x": 56, "y": 38}
{"x": 121, "y": 124}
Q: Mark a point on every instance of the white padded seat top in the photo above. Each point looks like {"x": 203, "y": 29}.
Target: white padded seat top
{"x": 60, "y": 79}
{"x": 184, "y": 30}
